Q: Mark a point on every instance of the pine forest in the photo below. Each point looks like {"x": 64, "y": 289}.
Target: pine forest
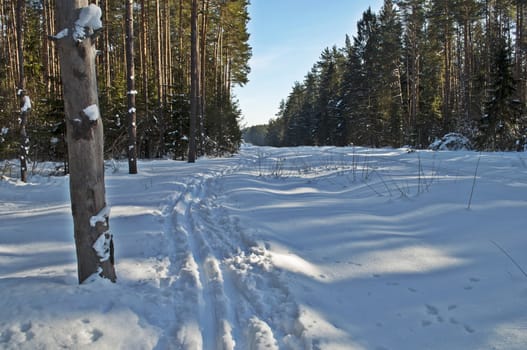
{"x": 161, "y": 33}
{"x": 415, "y": 71}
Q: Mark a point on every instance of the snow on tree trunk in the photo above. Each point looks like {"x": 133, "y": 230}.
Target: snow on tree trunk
{"x": 78, "y": 23}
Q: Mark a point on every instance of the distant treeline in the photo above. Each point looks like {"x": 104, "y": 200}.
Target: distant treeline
{"x": 415, "y": 71}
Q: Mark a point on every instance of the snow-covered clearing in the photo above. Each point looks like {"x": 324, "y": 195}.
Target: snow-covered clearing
{"x": 299, "y": 248}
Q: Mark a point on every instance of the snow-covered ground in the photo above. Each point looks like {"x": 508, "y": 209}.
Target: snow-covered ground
{"x": 295, "y": 248}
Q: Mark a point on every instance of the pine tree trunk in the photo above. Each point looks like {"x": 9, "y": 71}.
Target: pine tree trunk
{"x": 159, "y": 77}
{"x": 85, "y": 146}
{"x": 132, "y": 130}
{"x": 106, "y": 52}
{"x": 194, "y": 81}
{"x": 203, "y": 75}
{"x": 143, "y": 43}
{"x": 25, "y": 105}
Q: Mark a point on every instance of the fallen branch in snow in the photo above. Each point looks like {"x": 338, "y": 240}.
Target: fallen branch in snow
{"x": 510, "y": 257}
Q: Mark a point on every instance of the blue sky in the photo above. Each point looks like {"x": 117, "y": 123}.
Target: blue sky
{"x": 287, "y": 37}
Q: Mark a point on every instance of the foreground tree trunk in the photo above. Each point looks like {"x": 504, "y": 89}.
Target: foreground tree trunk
{"x": 77, "y": 24}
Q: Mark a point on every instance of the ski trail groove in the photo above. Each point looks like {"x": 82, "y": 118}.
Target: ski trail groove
{"x": 232, "y": 295}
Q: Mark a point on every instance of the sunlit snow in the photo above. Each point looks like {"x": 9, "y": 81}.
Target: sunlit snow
{"x": 293, "y": 248}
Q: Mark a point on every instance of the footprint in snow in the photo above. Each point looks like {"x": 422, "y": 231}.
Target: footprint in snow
{"x": 469, "y": 329}
{"x": 472, "y": 280}
{"x": 432, "y": 310}
{"x": 17, "y": 334}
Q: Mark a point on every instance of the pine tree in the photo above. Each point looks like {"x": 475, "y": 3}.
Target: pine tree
{"x": 350, "y": 90}
{"x": 413, "y": 16}
{"x": 366, "y": 81}
{"x": 390, "y": 67}
{"x": 328, "y": 96}
{"x": 499, "y": 127}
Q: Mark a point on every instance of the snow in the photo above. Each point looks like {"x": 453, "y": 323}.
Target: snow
{"x": 92, "y": 112}
{"x": 62, "y": 34}
{"x": 89, "y": 21}
{"x": 27, "y": 104}
{"x": 101, "y": 216}
{"x": 451, "y": 142}
{"x": 102, "y": 246}
{"x": 293, "y": 248}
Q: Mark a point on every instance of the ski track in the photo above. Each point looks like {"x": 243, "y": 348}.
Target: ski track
{"x": 234, "y": 298}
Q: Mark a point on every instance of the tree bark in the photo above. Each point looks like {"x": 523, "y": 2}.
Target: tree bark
{"x": 159, "y": 77}
{"x": 194, "y": 81}
{"x": 85, "y": 145}
{"x": 132, "y": 129}
{"x": 203, "y": 75}
{"x": 25, "y": 104}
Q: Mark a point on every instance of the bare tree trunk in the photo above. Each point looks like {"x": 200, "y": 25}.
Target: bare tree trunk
{"x": 194, "y": 81}
{"x": 132, "y": 130}
{"x": 46, "y": 46}
{"x": 143, "y": 43}
{"x": 93, "y": 239}
{"x": 203, "y": 75}
{"x": 106, "y": 53}
{"x": 25, "y": 103}
{"x": 159, "y": 77}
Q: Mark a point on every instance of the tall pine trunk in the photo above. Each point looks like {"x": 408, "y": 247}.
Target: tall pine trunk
{"x": 25, "y": 104}
{"x": 130, "y": 80}
{"x": 194, "y": 81}
{"x": 84, "y": 127}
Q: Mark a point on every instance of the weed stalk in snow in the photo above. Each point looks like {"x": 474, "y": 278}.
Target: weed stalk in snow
{"x": 419, "y": 170}
{"x": 510, "y": 258}
{"x": 474, "y": 182}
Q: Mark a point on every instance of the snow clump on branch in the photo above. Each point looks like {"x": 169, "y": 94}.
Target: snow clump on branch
{"x": 27, "y": 104}
{"x": 89, "y": 22}
{"x": 102, "y": 246}
{"x": 101, "y": 217}
{"x": 92, "y": 112}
